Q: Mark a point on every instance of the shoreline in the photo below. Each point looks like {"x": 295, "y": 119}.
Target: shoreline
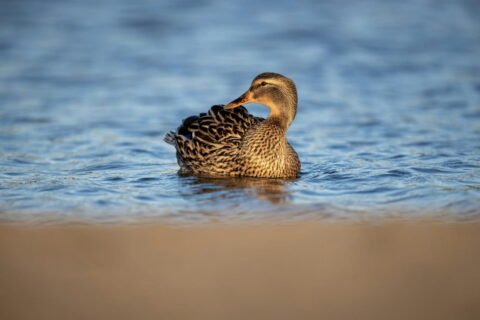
{"x": 417, "y": 270}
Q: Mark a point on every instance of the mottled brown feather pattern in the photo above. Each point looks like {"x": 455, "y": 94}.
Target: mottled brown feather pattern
{"x": 209, "y": 144}
{"x": 232, "y": 143}
{"x": 271, "y": 157}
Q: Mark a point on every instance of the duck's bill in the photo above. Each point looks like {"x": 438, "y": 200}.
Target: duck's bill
{"x": 243, "y": 99}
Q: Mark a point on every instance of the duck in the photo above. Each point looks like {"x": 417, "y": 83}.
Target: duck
{"x": 228, "y": 141}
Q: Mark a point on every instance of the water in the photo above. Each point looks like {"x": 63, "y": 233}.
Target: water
{"x": 388, "y": 122}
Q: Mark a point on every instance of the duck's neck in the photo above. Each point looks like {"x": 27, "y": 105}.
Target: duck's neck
{"x": 280, "y": 115}
{"x": 279, "y": 121}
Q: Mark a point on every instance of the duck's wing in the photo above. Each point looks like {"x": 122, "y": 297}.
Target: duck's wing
{"x": 200, "y": 135}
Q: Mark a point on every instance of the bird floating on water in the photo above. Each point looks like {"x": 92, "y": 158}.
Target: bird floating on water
{"x": 228, "y": 141}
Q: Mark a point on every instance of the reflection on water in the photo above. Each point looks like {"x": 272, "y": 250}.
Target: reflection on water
{"x": 387, "y": 123}
{"x": 223, "y": 189}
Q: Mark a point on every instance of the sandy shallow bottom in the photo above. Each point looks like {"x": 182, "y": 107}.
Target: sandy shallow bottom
{"x": 301, "y": 271}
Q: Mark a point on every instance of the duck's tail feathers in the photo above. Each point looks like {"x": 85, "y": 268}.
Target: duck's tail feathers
{"x": 170, "y": 138}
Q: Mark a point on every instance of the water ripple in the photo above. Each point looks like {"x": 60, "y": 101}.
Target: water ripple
{"x": 387, "y": 121}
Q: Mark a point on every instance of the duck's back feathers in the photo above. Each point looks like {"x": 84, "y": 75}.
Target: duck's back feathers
{"x": 209, "y": 142}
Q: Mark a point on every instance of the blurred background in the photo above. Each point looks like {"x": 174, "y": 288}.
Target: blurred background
{"x": 389, "y": 106}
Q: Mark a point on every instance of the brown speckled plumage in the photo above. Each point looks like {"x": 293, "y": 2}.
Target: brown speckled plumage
{"x": 228, "y": 141}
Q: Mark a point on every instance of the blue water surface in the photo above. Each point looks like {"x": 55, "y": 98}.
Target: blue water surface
{"x": 388, "y": 124}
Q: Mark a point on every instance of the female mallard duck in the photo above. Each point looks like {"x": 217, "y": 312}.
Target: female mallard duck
{"x": 228, "y": 141}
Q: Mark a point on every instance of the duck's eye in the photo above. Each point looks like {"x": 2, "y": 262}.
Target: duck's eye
{"x": 263, "y": 83}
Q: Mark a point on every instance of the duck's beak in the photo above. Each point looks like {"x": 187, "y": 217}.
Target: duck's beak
{"x": 243, "y": 99}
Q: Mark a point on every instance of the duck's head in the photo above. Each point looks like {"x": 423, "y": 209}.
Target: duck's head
{"x": 273, "y": 90}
